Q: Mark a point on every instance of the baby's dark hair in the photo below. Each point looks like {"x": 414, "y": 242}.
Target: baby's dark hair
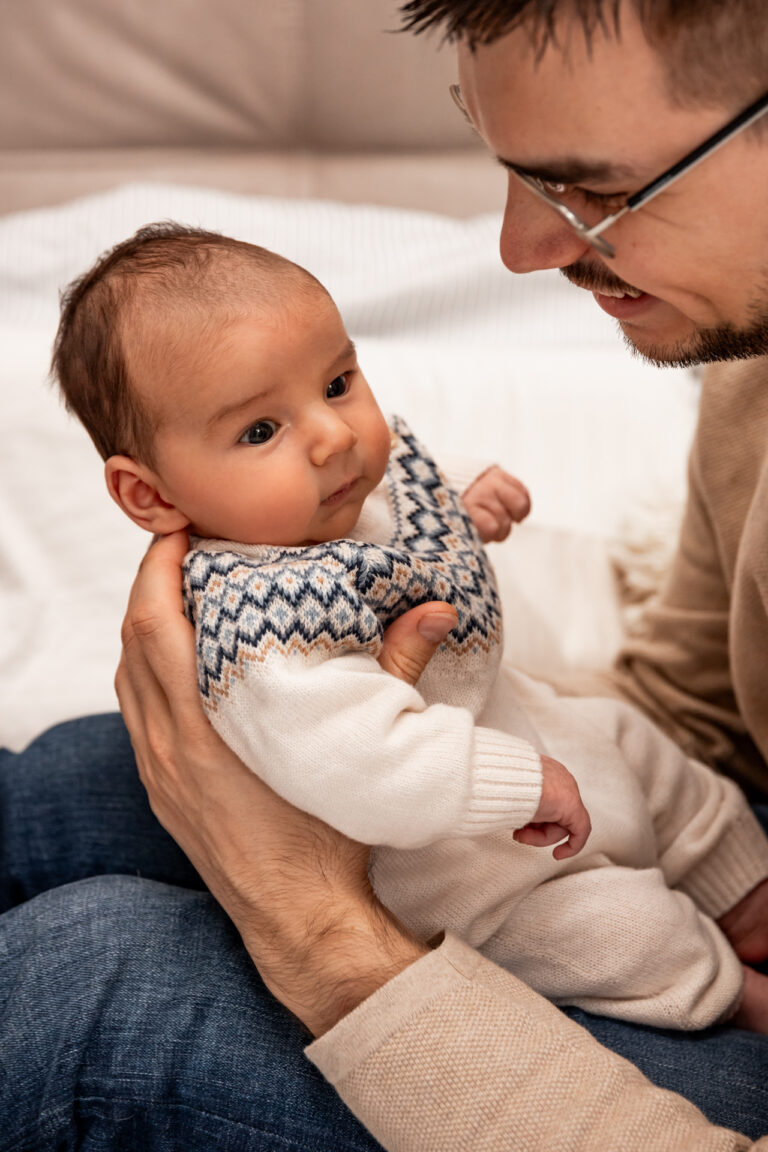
{"x": 162, "y": 266}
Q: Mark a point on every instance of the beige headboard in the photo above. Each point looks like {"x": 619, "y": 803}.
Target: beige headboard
{"x": 318, "y": 98}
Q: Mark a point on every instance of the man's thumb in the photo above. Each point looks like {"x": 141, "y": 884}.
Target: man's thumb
{"x": 411, "y": 641}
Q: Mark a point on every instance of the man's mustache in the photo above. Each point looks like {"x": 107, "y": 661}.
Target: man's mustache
{"x": 595, "y": 279}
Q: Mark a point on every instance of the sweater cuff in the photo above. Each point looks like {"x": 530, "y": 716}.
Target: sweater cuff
{"x": 506, "y": 784}
{"x": 358, "y": 1036}
{"x": 461, "y": 471}
{"x": 726, "y": 875}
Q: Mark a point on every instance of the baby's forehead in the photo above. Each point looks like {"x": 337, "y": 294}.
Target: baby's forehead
{"x": 224, "y": 291}
{"x": 182, "y": 338}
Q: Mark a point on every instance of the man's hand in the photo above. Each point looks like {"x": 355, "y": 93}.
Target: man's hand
{"x": 746, "y": 925}
{"x": 496, "y": 501}
{"x": 560, "y": 813}
{"x": 296, "y": 889}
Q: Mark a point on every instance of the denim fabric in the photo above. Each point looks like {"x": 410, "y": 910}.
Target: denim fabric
{"x": 132, "y": 1018}
{"x": 72, "y": 806}
{"x": 130, "y": 1015}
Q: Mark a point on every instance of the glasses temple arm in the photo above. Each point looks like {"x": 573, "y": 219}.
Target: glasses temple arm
{"x": 742, "y": 121}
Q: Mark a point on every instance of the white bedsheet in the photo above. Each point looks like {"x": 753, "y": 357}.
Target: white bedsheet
{"x": 524, "y": 370}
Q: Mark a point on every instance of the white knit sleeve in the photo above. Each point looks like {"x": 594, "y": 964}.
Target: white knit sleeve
{"x": 462, "y": 471}
{"x": 710, "y": 844}
{"x": 359, "y": 748}
{"x": 310, "y": 710}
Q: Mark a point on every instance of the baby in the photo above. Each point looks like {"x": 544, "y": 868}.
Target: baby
{"x": 220, "y": 386}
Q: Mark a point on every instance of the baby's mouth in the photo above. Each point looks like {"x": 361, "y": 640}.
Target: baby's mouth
{"x": 340, "y": 493}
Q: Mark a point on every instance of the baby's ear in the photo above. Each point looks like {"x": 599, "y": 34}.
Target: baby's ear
{"x": 133, "y": 487}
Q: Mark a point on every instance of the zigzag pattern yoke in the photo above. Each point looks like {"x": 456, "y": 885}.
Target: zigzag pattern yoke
{"x": 340, "y": 596}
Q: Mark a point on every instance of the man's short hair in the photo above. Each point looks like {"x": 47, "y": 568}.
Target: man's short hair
{"x": 715, "y": 51}
{"x": 164, "y": 268}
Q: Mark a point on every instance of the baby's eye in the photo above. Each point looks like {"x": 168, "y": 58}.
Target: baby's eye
{"x": 337, "y": 387}
{"x": 259, "y": 432}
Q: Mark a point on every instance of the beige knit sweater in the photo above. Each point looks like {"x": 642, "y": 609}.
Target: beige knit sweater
{"x": 457, "y": 1054}
{"x": 700, "y": 668}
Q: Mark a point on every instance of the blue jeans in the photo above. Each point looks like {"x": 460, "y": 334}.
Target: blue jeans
{"x": 132, "y": 1017}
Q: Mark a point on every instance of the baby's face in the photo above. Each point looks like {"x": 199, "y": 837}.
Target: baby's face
{"x": 269, "y": 433}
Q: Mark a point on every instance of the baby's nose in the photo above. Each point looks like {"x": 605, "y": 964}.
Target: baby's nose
{"x": 334, "y": 435}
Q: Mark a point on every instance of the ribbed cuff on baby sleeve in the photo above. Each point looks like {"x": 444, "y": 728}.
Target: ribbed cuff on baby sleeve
{"x": 738, "y": 863}
{"x": 506, "y": 789}
{"x": 462, "y": 471}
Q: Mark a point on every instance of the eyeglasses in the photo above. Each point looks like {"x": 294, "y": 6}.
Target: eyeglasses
{"x": 593, "y": 234}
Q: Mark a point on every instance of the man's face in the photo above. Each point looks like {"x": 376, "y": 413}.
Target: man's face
{"x": 602, "y": 123}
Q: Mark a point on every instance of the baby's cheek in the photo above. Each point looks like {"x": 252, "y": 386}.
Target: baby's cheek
{"x": 380, "y": 441}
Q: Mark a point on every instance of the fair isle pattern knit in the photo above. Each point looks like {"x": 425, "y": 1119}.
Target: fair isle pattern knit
{"x": 437, "y": 776}
{"x": 337, "y": 597}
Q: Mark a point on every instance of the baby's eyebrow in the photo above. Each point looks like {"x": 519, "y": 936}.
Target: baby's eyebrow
{"x": 232, "y": 409}
{"x": 350, "y": 350}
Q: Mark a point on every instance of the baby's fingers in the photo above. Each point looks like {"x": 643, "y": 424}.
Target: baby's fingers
{"x": 578, "y": 834}
{"x": 541, "y": 835}
{"x": 492, "y": 523}
{"x": 515, "y": 496}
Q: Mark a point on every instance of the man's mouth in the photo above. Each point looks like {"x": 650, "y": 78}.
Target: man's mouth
{"x": 598, "y": 285}
{"x": 619, "y": 293}
{"x": 621, "y": 301}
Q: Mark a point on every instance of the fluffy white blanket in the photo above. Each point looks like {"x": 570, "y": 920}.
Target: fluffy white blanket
{"x": 523, "y": 370}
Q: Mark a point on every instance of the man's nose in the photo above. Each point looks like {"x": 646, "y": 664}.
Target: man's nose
{"x": 330, "y": 435}
{"x": 533, "y": 235}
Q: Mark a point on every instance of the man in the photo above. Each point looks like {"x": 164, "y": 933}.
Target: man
{"x": 437, "y": 1048}
{"x": 637, "y": 159}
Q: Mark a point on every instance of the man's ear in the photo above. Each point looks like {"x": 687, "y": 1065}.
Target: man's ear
{"x": 133, "y": 487}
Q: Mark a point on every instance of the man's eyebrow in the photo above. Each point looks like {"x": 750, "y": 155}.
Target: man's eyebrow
{"x": 571, "y": 170}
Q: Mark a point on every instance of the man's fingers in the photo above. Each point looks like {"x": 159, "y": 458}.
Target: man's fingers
{"x": 158, "y": 640}
{"x": 157, "y": 585}
{"x": 159, "y": 651}
{"x": 411, "y": 641}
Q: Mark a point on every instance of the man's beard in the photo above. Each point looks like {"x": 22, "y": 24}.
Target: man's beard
{"x": 726, "y": 342}
{"x": 709, "y": 345}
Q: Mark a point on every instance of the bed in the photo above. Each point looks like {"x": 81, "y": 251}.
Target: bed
{"x": 320, "y": 131}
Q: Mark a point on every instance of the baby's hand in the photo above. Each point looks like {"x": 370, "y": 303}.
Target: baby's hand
{"x": 496, "y": 501}
{"x": 560, "y": 813}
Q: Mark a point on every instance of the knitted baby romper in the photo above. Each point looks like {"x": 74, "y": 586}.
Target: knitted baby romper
{"x": 439, "y": 775}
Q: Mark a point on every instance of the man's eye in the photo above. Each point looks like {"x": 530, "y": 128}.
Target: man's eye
{"x": 608, "y": 200}
{"x": 570, "y": 193}
{"x": 337, "y": 387}
{"x": 259, "y": 432}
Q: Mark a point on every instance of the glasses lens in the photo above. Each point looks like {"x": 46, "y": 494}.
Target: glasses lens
{"x": 562, "y": 205}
